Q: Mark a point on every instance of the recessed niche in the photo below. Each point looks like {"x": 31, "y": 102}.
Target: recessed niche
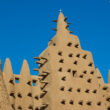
{"x": 85, "y": 56}
{"x": 19, "y": 108}
{"x": 74, "y": 73}
{"x": 63, "y": 102}
{"x": 90, "y": 64}
{"x": 19, "y": 95}
{"x": 70, "y": 89}
{"x": 99, "y": 103}
{"x": 105, "y": 88}
{"x": 87, "y": 91}
{"x": 60, "y": 69}
{"x": 61, "y": 61}
{"x": 69, "y": 44}
{"x": 81, "y": 102}
{"x": 77, "y": 46}
{"x": 36, "y": 97}
{"x": 108, "y": 99}
{"x": 89, "y": 103}
{"x": 29, "y": 94}
{"x": 78, "y": 55}
{"x": 78, "y": 90}
{"x": 70, "y": 55}
{"x": 30, "y": 107}
{"x": 60, "y": 53}
{"x": 63, "y": 78}
{"x": 71, "y": 102}
{"x": 75, "y": 62}
{"x": 69, "y": 70}
{"x": 95, "y": 91}
{"x": 62, "y": 88}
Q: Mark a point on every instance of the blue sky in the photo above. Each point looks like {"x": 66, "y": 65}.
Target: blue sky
{"x": 26, "y": 28}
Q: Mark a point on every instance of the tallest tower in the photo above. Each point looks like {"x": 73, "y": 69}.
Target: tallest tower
{"x": 69, "y": 79}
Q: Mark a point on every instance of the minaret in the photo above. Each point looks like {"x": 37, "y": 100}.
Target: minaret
{"x": 23, "y": 88}
{"x": 69, "y": 78}
{"x": 4, "y": 98}
{"x": 9, "y": 81}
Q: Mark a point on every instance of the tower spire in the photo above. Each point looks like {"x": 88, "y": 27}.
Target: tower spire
{"x": 62, "y": 26}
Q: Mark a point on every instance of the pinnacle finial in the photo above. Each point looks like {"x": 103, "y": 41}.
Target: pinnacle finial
{"x": 60, "y": 10}
{"x": 109, "y": 77}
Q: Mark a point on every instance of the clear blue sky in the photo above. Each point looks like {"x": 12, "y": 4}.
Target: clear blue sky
{"x": 26, "y": 28}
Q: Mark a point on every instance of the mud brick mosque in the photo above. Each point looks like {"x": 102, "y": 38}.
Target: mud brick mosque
{"x": 67, "y": 80}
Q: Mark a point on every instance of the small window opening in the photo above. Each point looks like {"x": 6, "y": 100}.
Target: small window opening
{"x": 77, "y": 45}
{"x": 71, "y": 102}
{"x": 89, "y": 103}
{"x": 108, "y": 99}
{"x": 69, "y": 44}
{"x": 62, "y": 88}
{"x": 63, "y": 102}
{"x": 69, "y": 70}
{"x": 60, "y": 53}
{"x": 78, "y": 55}
{"x": 70, "y": 55}
{"x": 85, "y": 56}
{"x": 70, "y": 89}
{"x": 29, "y": 94}
{"x": 36, "y": 97}
{"x": 34, "y": 82}
{"x": 105, "y": 88}
{"x": 20, "y": 108}
{"x": 95, "y": 91}
{"x": 90, "y": 64}
{"x": 16, "y": 80}
{"x": 78, "y": 90}
{"x": 19, "y": 95}
{"x": 63, "y": 78}
{"x": 61, "y": 61}
{"x": 74, "y": 72}
{"x": 99, "y": 103}
{"x": 87, "y": 91}
{"x": 80, "y": 102}
{"x": 89, "y": 80}
{"x": 75, "y": 62}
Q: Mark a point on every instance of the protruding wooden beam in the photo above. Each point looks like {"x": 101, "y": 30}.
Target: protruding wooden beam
{"x": 37, "y": 58}
{"x": 71, "y": 32}
{"x": 54, "y": 20}
{"x": 54, "y": 29}
{"x": 35, "y": 69}
{"x": 68, "y": 23}
{"x": 65, "y": 18}
{"x": 67, "y": 26}
{"x": 38, "y": 62}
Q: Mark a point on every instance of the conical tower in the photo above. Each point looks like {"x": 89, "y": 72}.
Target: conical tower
{"x": 23, "y": 89}
{"x": 9, "y": 81}
{"x": 4, "y": 98}
{"x": 69, "y": 78}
